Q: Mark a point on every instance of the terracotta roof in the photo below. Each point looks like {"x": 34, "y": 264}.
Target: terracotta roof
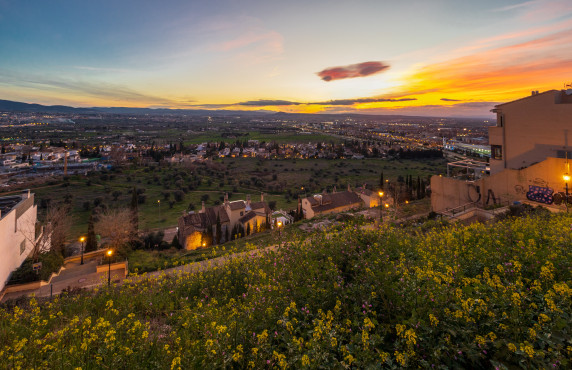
{"x": 237, "y": 204}
{"x": 313, "y": 201}
{"x": 198, "y": 220}
{"x": 213, "y": 212}
{"x": 260, "y": 206}
{"x": 367, "y": 192}
{"x": 335, "y": 200}
{"x": 247, "y": 217}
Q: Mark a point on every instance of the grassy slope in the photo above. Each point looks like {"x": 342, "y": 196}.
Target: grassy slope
{"x": 463, "y": 297}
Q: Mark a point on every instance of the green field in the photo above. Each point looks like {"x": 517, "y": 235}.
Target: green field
{"x": 282, "y": 181}
{"x": 280, "y": 138}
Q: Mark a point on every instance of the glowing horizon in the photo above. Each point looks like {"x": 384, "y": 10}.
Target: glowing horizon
{"x": 445, "y": 59}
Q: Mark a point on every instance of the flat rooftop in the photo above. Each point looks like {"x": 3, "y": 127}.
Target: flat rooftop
{"x": 8, "y": 203}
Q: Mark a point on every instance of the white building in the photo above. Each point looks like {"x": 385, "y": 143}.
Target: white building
{"x": 18, "y": 216}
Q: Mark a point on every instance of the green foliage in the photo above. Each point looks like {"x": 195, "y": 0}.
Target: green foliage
{"x": 91, "y": 241}
{"x": 51, "y": 263}
{"x": 480, "y": 296}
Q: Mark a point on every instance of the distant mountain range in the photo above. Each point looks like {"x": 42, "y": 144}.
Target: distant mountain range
{"x": 13, "y": 106}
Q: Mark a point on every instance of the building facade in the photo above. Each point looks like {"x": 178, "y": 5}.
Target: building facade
{"x": 18, "y": 232}
{"x": 196, "y": 230}
{"x": 326, "y": 203}
{"x": 530, "y": 155}
{"x": 531, "y": 129}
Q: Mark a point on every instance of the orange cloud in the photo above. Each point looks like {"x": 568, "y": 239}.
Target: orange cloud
{"x": 498, "y": 74}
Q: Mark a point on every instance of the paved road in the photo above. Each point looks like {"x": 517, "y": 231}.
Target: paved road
{"x": 73, "y": 275}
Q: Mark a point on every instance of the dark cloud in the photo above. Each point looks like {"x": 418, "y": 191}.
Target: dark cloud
{"x": 352, "y": 70}
{"x": 447, "y": 99}
{"x": 262, "y": 103}
{"x": 477, "y": 104}
{"x": 361, "y": 100}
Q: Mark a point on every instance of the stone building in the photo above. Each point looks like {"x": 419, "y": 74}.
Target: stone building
{"x": 197, "y": 230}
{"x": 326, "y": 203}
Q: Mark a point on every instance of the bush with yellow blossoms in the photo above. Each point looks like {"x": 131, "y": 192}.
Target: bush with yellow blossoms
{"x": 480, "y": 296}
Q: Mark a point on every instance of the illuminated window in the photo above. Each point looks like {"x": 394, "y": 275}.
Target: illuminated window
{"x": 496, "y": 151}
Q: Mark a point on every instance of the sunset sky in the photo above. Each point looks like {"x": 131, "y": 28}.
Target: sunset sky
{"x": 427, "y": 57}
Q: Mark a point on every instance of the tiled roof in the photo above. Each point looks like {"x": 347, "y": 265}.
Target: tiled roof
{"x": 367, "y": 192}
{"x": 260, "y": 206}
{"x": 237, "y": 204}
{"x": 336, "y": 200}
{"x": 247, "y": 217}
{"x": 198, "y": 220}
{"x": 213, "y": 212}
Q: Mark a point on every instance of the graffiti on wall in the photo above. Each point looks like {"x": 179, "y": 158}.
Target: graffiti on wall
{"x": 540, "y": 194}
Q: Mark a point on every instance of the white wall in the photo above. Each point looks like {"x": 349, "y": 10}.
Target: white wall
{"x": 12, "y": 234}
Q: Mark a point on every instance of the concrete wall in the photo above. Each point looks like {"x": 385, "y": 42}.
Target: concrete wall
{"x": 534, "y": 128}
{"x": 508, "y": 185}
{"x": 16, "y": 227}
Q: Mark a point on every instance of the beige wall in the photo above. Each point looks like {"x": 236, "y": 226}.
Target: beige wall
{"x": 534, "y": 129}
{"x": 508, "y": 185}
{"x": 13, "y": 232}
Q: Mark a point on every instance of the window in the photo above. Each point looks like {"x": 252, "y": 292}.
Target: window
{"x": 501, "y": 120}
{"x": 496, "y": 151}
{"x": 241, "y": 213}
{"x": 22, "y": 246}
{"x": 563, "y": 154}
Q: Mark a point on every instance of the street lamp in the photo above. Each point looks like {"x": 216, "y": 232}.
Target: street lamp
{"x": 279, "y": 224}
{"x": 109, "y": 254}
{"x": 82, "y": 240}
{"x": 380, "y": 206}
{"x": 566, "y": 178}
{"x": 159, "y": 202}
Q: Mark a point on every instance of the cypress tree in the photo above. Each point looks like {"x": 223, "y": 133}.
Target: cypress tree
{"x": 218, "y": 230}
{"x": 91, "y": 242}
{"x": 135, "y": 208}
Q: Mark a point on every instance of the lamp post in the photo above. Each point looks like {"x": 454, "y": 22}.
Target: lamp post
{"x": 82, "y": 240}
{"x": 566, "y": 178}
{"x": 109, "y": 254}
{"x": 159, "y": 202}
{"x": 279, "y": 224}
{"x": 380, "y": 206}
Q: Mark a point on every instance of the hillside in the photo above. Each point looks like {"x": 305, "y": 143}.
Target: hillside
{"x": 462, "y": 297}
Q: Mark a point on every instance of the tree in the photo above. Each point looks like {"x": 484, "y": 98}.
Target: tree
{"x": 59, "y": 223}
{"x": 116, "y": 194}
{"x": 91, "y": 242}
{"x": 175, "y": 243}
{"x": 135, "y": 208}
{"x": 116, "y": 227}
{"x": 218, "y": 230}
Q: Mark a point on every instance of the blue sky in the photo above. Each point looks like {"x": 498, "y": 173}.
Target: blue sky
{"x": 217, "y": 54}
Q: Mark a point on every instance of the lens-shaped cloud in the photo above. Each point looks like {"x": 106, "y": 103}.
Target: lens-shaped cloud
{"x": 352, "y": 70}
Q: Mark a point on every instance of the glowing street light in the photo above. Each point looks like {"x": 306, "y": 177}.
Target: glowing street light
{"x": 82, "y": 240}
{"x": 279, "y": 224}
{"x": 380, "y": 206}
{"x": 566, "y": 178}
{"x": 109, "y": 254}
